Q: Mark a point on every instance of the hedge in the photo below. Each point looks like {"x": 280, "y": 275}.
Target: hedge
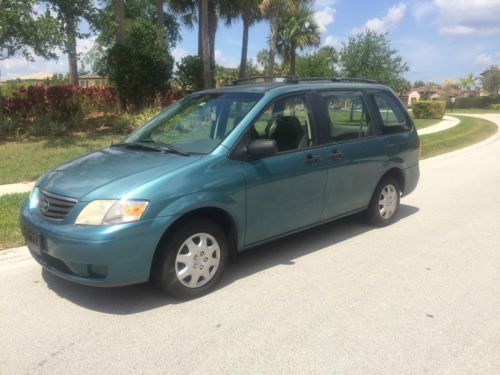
{"x": 477, "y": 101}
{"x": 429, "y": 109}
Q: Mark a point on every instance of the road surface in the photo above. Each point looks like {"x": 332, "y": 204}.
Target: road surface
{"x": 419, "y": 297}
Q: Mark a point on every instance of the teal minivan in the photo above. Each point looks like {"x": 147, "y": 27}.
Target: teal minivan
{"x": 219, "y": 172}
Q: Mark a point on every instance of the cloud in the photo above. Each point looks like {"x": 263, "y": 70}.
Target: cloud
{"x": 484, "y": 59}
{"x": 178, "y": 53}
{"x": 324, "y": 17}
{"x": 223, "y": 60}
{"x": 468, "y": 17}
{"x": 421, "y": 10}
{"x": 385, "y": 24}
{"x": 332, "y": 41}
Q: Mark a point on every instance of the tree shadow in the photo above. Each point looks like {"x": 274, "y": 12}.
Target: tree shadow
{"x": 138, "y": 298}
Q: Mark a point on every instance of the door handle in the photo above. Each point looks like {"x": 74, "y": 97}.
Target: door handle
{"x": 310, "y": 159}
{"x": 336, "y": 154}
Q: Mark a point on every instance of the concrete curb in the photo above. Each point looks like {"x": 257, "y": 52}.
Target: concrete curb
{"x": 16, "y": 188}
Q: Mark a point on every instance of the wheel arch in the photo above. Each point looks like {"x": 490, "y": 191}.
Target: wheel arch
{"x": 398, "y": 175}
{"x": 215, "y": 214}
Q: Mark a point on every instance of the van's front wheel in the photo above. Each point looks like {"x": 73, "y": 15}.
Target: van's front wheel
{"x": 193, "y": 259}
{"x": 385, "y": 202}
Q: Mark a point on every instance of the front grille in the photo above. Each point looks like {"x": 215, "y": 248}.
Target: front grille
{"x": 54, "y": 206}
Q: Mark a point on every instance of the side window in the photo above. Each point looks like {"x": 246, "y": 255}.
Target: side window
{"x": 348, "y": 116}
{"x": 237, "y": 110}
{"x": 393, "y": 116}
{"x": 287, "y": 121}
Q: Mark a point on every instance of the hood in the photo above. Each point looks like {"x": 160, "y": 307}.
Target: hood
{"x": 122, "y": 167}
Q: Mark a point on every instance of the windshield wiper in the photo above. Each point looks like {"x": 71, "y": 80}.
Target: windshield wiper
{"x": 136, "y": 145}
{"x": 165, "y": 146}
{"x": 145, "y": 144}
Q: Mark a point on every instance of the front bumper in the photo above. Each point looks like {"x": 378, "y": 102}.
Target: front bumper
{"x": 96, "y": 255}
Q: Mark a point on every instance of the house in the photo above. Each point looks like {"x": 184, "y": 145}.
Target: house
{"x": 92, "y": 80}
{"x": 34, "y": 79}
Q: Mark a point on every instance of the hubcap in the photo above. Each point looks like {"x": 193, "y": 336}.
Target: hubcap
{"x": 388, "y": 201}
{"x": 197, "y": 260}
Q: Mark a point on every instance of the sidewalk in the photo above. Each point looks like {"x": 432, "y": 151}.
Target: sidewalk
{"x": 16, "y": 188}
{"x": 447, "y": 123}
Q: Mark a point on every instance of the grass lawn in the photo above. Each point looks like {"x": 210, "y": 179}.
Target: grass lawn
{"x": 470, "y": 130}
{"x": 421, "y": 123}
{"x": 10, "y": 234}
{"x": 27, "y": 160}
{"x": 472, "y": 110}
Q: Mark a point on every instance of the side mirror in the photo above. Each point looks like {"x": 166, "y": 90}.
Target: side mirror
{"x": 262, "y": 147}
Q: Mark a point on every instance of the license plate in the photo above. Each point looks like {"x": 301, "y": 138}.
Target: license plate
{"x": 34, "y": 240}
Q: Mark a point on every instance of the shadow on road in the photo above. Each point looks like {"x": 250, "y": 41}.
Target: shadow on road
{"x": 143, "y": 297}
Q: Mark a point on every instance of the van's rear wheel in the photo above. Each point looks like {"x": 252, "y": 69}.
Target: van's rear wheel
{"x": 385, "y": 202}
{"x": 193, "y": 259}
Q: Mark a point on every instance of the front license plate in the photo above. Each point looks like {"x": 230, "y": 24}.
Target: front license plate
{"x": 34, "y": 240}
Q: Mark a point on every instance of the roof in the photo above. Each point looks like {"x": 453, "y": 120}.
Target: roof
{"x": 32, "y": 77}
{"x": 91, "y": 76}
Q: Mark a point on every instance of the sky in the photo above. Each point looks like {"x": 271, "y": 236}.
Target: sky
{"x": 439, "y": 39}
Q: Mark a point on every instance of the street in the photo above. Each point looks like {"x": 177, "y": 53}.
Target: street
{"x": 421, "y": 296}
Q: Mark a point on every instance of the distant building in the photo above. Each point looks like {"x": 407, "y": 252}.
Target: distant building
{"x": 31, "y": 79}
{"x": 92, "y": 80}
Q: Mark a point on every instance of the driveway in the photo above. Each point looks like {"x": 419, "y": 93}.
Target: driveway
{"x": 418, "y": 297}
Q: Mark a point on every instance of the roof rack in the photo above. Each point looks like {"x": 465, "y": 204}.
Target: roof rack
{"x": 265, "y": 78}
{"x": 294, "y": 79}
{"x": 334, "y": 79}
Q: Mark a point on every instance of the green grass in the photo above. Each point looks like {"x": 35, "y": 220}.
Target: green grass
{"x": 10, "y": 234}
{"x": 421, "y": 123}
{"x": 472, "y": 110}
{"x": 28, "y": 160}
{"x": 470, "y": 130}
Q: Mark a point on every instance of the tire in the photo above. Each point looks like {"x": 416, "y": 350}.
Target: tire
{"x": 385, "y": 202}
{"x": 192, "y": 260}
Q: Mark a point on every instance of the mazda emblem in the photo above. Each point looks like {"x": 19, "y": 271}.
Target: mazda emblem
{"x": 45, "y": 205}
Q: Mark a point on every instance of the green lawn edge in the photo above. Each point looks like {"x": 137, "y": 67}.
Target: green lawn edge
{"x": 10, "y": 232}
{"x": 469, "y": 131}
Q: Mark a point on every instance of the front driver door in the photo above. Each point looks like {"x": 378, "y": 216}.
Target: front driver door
{"x": 284, "y": 191}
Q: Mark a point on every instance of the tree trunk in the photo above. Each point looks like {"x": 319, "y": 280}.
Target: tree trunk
{"x": 71, "y": 51}
{"x": 200, "y": 41}
{"x": 160, "y": 21}
{"x": 120, "y": 38}
{"x": 205, "y": 48}
{"x": 212, "y": 30}
{"x": 273, "y": 19}
{"x": 119, "y": 21}
{"x": 292, "y": 58}
{"x": 244, "y": 46}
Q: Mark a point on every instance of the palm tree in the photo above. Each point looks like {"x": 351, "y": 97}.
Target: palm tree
{"x": 296, "y": 29}
{"x": 119, "y": 21}
{"x": 249, "y": 12}
{"x": 271, "y": 9}
{"x": 205, "y": 50}
{"x": 467, "y": 82}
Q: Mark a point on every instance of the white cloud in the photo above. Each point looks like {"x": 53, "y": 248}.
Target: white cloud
{"x": 331, "y": 41}
{"x": 387, "y": 23}
{"x": 223, "y": 60}
{"x": 324, "y": 17}
{"x": 178, "y": 53}
{"x": 421, "y": 10}
{"x": 468, "y": 17}
{"x": 485, "y": 60}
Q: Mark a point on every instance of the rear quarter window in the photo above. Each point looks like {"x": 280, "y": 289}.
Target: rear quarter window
{"x": 394, "y": 118}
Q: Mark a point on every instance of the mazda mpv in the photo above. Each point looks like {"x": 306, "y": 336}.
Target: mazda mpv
{"x": 218, "y": 172}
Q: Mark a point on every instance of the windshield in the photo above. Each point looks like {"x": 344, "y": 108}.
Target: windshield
{"x": 198, "y": 123}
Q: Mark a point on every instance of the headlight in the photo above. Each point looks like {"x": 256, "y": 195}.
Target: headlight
{"x": 33, "y": 198}
{"x": 107, "y": 212}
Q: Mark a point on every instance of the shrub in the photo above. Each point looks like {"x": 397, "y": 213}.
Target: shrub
{"x": 190, "y": 73}
{"x": 477, "y": 101}
{"x": 495, "y": 106}
{"x": 429, "y": 109}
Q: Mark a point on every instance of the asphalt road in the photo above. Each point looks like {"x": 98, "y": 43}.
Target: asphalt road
{"x": 419, "y": 297}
